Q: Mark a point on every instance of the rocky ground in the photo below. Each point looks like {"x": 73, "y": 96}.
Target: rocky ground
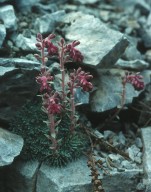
{"x": 115, "y": 37}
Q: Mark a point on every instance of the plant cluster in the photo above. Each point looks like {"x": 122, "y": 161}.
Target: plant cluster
{"x": 60, "y": 139}
{"x": 61, "y": 103}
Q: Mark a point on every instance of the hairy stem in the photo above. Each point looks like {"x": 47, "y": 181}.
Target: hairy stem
{"x": 52, "y": 131}
{"x": 62, "y": 73}
{"x": 43, "y": 54}
{"x": 72, "y": 128}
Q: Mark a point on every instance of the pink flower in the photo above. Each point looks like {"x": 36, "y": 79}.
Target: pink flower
{"x": 46, "y": 43}
{"x": 82, "y": 79}
{"x": 74, "y": 53}
{"x": 136, "y": 80}
{"x": 51, "y": 104}
{"x": 51, "y": 48}
{"x": 44, "y": 79}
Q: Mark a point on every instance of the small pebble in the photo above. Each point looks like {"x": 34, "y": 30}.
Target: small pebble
{"x": 23, "y": 24}
{"x": 138, "y": 142}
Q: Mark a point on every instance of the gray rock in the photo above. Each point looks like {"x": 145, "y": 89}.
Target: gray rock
{"x": 25, "y": 5}
{"x": 134, "y": 153}
{"x": 17, "y": 84}
{"x": 131, "y": 52}
{"x": 7, "y": 14}
{"x": 26, "y": 44}
{"x": 81, "y": 97}
{"x": 148, "y": 56}
{"x": 86, "y": 1}
{"x": 6, "y": 70}
{"x": 134, "y": 64}
{"x": 47, "y": 23}
{"x": 146, "y": 132}
{"x": 146, "y": 37}
{"x": 11, "y": 146}
{"x": 148, "y": 185}
{"x": 145, "y": 32}
{"x": 21, "y": 176}
{"x": 138, "y": 142}
{"x": 128, "y": 165}
{"x": 102, "y": 99}
{"x": 146, "y": 75}
{"x": 122, "y": 138}
{"x": 143, "y": 7}
{"x": 116, "y": 158}
{"x": 48, "y": 8}
{"x": 140, "y": 187}
{"x": 148, "y": 1}
{"x": 100, "y": 45}
{"x": 108, "y": 134}
{"x": 19, "y": 63}
{"x": 2, "y": 34}
{"x": 120, "y": 180}
{"x": 74, "y": 177}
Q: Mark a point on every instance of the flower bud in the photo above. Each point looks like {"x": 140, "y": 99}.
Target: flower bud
{"x": 38, "y": 45}
{"x": 39, "y": 37}
{"x": 51, "y": 36}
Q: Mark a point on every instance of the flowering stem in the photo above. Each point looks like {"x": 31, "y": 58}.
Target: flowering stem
{"x": 123, "y": 93}
{"x": 42, "y": 54}
{"x": 62, "y": 72}
{"x": 72, "y": 117}
{"x": 52, "y": 131}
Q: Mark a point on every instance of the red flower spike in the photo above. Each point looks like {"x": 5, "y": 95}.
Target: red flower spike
{"x": 84, "y": 79}
{"x": 136, "y": 80}
{"x": 74, "y": 53}
{"x": 51, "y": 48}
{"x": 44, "y": 80}
{"x": 51, "y": 104}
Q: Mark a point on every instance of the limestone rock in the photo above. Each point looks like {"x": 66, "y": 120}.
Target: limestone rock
{"x": 17, "y": 85}
{"x": 25, "y": 5}
{"x": 46, "y": 24}
{"x": 131, "y": 52}
{"x": 2, "y": 34}
{"x": 100, "y": 45}
{"x": 6, "y": 70}
{"x": 11, "y": 146}
{"x": 74, "y": 177}
{"x": 146, "y": 132}
{"x": 86, "y": 1}
{"x": 25, "y": 175}
{"x": 20, "y": 63}
{"x": 26, "y": 44}
{"x": 7, "y": 14}
{"x": 145, "y": 32}
{"x": 137, "y": 64}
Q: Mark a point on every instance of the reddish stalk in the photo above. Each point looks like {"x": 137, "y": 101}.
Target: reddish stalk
{"x": 62, "y": 72}
{"x": 72, "y": 116}
{"x": 43, "y": 54}
{"x": 52, "y": 131}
